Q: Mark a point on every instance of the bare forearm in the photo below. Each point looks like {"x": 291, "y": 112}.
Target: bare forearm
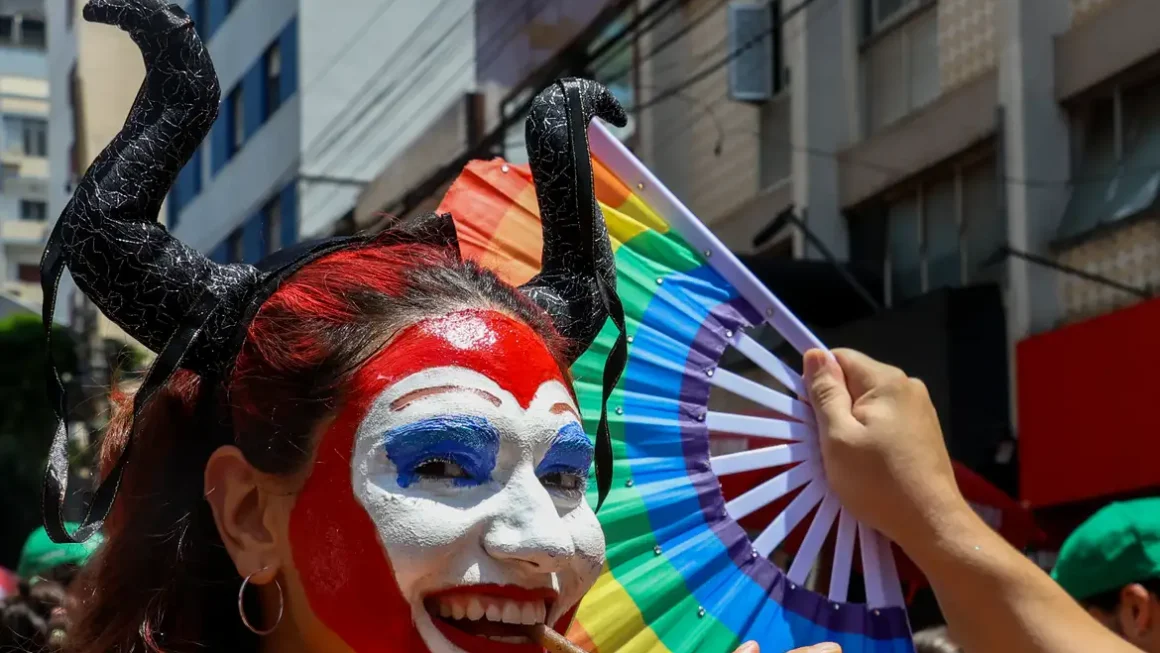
{"x": 995, "y": 599}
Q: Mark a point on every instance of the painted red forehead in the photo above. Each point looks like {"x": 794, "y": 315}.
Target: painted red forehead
{"x": 496, "y": 345}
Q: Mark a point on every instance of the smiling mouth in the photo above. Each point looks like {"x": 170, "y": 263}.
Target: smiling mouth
{"x": 490, "y": 618}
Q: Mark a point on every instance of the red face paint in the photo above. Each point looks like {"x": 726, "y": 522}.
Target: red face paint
{"x": 344, "y": 568}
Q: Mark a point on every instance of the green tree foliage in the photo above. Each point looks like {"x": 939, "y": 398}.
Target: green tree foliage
{"x": 26, "y": 424}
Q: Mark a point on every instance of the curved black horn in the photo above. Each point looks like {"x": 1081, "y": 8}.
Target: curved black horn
{"x": 576, "y": 248}
{"x": 577, "y": 280}
{"x": 163, "y": 293}
{"x": 139, "y": 275}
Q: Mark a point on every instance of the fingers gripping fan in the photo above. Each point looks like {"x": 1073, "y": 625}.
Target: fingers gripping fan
{"x": 682, "y": 574}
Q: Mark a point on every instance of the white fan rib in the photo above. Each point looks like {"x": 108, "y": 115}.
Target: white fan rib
{"x": 760, "y": 427}
{"x": 772, "y": 365}
{"x": 762, "y": 395}
{"x": 843, "y": 557}
{"x": 794, "y": 513}
{"x": 771, "y": 490}
{"x": 872, "y": 567}
{"x": 775, "y": 456}
{"x": 815, "y": 538}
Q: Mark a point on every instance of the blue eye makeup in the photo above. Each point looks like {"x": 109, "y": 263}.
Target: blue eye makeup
{"x": 458, "y": 448}
{"x": 565, "y": 466}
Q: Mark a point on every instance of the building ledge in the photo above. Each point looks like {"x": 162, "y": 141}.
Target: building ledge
{"x": 957, "y": 120}
{"x": 1119, "y": 37}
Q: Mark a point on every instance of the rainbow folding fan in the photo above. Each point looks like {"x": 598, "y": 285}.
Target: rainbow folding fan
{"x": 682, "y": 574}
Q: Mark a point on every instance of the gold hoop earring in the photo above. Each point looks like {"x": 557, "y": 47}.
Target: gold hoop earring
{"x": 242, "y": 607}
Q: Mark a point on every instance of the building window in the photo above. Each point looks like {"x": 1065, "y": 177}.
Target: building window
{"x": 237, "y": 248}
{"x": 936, "y": 235}
{"x": 35, "y": 136}
{"x": 26, "y": 136}
{"x": 272, "y": 90}
{"x": 272, "y": 225}
{"x": 33, "y": 210}
{"x": 33, "y": 33}
{"x": 28, "y": 272}
{"x": 900, "y": 71}
{"x": 878, "y": 15}
{"x": 1116, "y": 159}
{"x": 7, "y": 30}
{"x": 237, "y": 120}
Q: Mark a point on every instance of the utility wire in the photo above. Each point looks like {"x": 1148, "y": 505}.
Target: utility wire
{"x": 470, "y": 60}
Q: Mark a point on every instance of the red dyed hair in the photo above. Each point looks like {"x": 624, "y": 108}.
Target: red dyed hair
{"x": 163, "y": 580}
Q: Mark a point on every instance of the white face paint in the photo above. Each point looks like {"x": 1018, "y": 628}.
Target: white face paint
{"x": 474, "y": 498}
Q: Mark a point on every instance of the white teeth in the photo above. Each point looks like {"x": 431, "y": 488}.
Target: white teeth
{"x": 474, "y": 609}
{"x": 528, "y": 614}
{"x": 478, "y": 607}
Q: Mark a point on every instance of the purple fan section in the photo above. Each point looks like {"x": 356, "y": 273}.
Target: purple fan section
{"x": 707, "y": 349}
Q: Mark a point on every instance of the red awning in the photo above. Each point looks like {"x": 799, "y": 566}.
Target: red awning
{"x": 1088, "y": 398}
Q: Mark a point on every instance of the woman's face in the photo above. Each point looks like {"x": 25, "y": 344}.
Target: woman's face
{"x": 465, "y": 463}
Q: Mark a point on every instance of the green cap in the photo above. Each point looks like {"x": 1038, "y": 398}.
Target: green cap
{"x": 41, "y": 554}
{"x": 1117, "y": 546}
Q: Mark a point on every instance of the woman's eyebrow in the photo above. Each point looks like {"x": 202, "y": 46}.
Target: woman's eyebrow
{"x": 423, "y": 393}
{"x": 559, "y": 408}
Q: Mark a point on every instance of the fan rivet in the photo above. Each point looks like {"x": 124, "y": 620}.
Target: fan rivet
{"x": 700, "y": 417}
{"x": 708, "y": 253}
{"x": 660, "y": 281}
{"x": 709, "y": 372}
{"x": 657, "y": 550}
{"x": 629, "y": 338}
{"x": 504, "y": 168}
{"x": 700, "y": 612}
{"x": 836, "y": 606}
{"x": 628, "y": 483}
{"x": 640, "y": 185}
{"x": 876, "y": 613}
{"x": 769, "y": 312}
{"x": 792, "y": 586}
{"x": 753, "y": 554}
{"x": 728, "y": 333}
{"x": 619, "y": 410}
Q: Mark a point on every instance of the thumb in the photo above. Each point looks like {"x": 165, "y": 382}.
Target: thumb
{"x": 827, "y": 389}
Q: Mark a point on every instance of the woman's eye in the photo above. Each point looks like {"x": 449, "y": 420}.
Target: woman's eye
{"x": 440, "y": 469}
{"x": 566, "y": 481}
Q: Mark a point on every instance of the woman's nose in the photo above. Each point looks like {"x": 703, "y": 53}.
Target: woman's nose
{"x": 528, "y": 529}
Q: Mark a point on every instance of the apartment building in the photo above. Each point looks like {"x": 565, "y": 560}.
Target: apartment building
{"x": 24, "y": 179}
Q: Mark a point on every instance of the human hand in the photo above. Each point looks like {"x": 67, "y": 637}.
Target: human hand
{"x": 882, "y": 446}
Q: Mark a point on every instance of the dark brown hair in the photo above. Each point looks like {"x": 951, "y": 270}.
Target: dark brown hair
{"x": 163, "y": 580}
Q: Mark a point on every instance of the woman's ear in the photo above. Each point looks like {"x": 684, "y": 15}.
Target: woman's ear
{"x": 240, "y": 505}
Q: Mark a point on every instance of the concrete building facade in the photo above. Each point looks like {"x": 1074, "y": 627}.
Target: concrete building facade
{"x": 24, "y": 143}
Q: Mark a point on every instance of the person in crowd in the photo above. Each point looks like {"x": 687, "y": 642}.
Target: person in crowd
{"x": 33, "y": 620}
{"x": 1111, "y": 565}
{"x": 360, "y": 444}
{"x": 36, "y": 617}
